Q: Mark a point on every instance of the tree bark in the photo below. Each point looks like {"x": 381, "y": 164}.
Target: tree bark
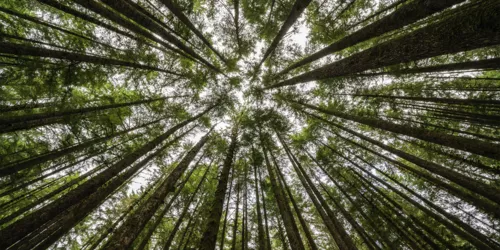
{"x": 235, "y": 220}
{"x": 298, "y": 7}
{"x": 209, "y": 236}
{"x": 487, "y": 149}
{"x": 261, "y": 238}
{"x": 292, "y": 231}
{"x": 21, "y": 228}
{"x": 476, "y": 26}
{"x": 26, "y": 50}
{"x": 185, "y": 20}
{"x": 14, "y": 167}
{"x": 170, "y": 239}
{"x": 130, "y": 229}
{"x": 224, "y": 225}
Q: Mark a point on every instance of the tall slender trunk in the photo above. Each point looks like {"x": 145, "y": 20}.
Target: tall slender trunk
{"x": 26, "y": 50}
{"x": 298, "y": 7}
{"x": 486, "y": 64}
{"x": 19, "y": 229}
{"x": 292, "y": 231}
{"x": 470, "y": 234}
{"x": 331, "y": 222}
{"x": 471, "y": 102}
{"x": 57, "y": 227}
{"x": 43, "y": 23}
{"x": 161, "y": 214}
{"x": 209, "y": 235}
{"x": 128, "y": 10}
{"x": 476, "y": 26}
{"x": 183, "y": 18}
{"x": 401, "y": 17}
{"x": 224, "y": 224}
{"x": 303, "y": 223}
{"x": 170, "y": 239}
{"x": 470, "y": 145}
{"x": 53, "y": 155}
{"x": 264, "y": 207}
{"x": 130, "y": 229}
{"x": 261, "y": 238}
{"x": 488, "y": 191}
{"x": 235, "y": 219}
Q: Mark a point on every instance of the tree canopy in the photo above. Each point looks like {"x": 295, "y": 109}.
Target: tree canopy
{"x": 249, "y": 124}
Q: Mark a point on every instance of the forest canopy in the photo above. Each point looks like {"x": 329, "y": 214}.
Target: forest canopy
{"x": 249, "y": 124}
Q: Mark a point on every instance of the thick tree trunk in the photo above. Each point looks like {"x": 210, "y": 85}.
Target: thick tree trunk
{"x": 130, "y": 229}
{"x": 209, "y": 236}
{"x": 18, "y": 230}
{"x": 403, "y": 16}
{"x": 303, "y": 223}
{"x": 53, "y": 155}
{"x": 292, "y": 231}
{"x": 185, "y": 210}
{"x": 475, "y": 26}
{"x": 471, "y": 102}
{"x": 470, "y": 145}
{"x": 298, "y": 7}
{"x": 26, "y": 50}
{"x": 178, "y": 13}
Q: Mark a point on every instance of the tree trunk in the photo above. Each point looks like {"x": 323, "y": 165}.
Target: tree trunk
{"x": 298, "y": 7}
{"x": 130, "y": 229}
{"x": 224, "y": 225}
{"x": 16, "y": 231}
{"x": 476, "y": 26}
{"x": 170, "y": 239}
{"x": 53, "y": 155}
{"x": 401, "y": 17}
{"x": 303, "y": 223}
{"x": 178, "y": 13}
{"x": 268, "y": 236}
{"x": 26, "y": 50}
{"x": 291, "y": 228}
{"x": 161, "y": 214}
{"x": 470, "y": 145}
{"x": 209, "y": 236}
{"x": 333, "y": 225}
{"x": 129, "y": 11}
{"x": 235, "y": 220}
{"x": 261, "y": 238}
{"x": 63, "y": 223}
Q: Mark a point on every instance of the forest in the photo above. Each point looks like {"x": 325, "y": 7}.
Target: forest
{"x": 249, "y": 124}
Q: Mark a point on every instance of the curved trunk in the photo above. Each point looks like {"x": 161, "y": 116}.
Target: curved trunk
{"x": 476, "y": 26}
{"x": 209, "y": 236}
{"x": 19, "y": 229}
